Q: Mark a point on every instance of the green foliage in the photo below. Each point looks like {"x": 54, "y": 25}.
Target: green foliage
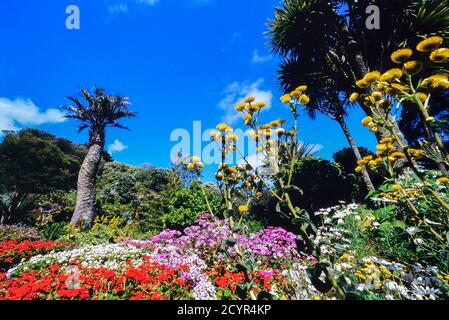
{"x": 188, "y": 203}
{"x": 54, "y": 231}
{"x": 136, "y": 195}
{"x": 35, "y": 165}
{"x": 323, "y": 184}
{"x": 104, "y": 230}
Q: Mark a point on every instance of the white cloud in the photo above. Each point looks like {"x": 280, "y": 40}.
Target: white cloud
{"x": 118, "y": 8}
{"x": 238, "y": 91}
{"x": 116, "y": 146}
{"x": 260, "y": 59}
{"x": 23, "y": 112}
{"x": 148, "y": 2}
{"x": 124, "y": 5}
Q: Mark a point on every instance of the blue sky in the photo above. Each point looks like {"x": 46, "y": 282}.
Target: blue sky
{"x": 179, "y": 61}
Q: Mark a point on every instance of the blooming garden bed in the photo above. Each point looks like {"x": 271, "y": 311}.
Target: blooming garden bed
{"x": 193, "y": 265}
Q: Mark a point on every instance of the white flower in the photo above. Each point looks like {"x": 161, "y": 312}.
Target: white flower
{"x": 391, "y": 286}
{"x": 418, "y": 241}
{"x": 412, "y": 231}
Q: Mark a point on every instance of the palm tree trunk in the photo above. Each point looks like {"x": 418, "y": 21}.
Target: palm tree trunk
{"x": 355, "y": 149}
{"x": 86, "y": 189}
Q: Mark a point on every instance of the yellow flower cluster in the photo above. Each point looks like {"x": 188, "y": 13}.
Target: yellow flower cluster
{"x": 443, "y": 180}
{"x": 195, "y": 164}
{"x": 235, "y": 174}
{"x": 389, "y": 83}
{"x": 226, "y": 136}
{"x": 386, "y": 152}
{"x": 249, "y": 109}
{"x": 296, "y": 96}
{"x": 398, "y": 193}
{"x": 243, "y": 209}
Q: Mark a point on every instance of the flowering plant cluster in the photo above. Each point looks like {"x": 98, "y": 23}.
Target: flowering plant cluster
{"x": 19, "y": 233}
{"x": 13, "y": 251}
{"x": 205, "y": 238}
{"x": 147, "y": 281}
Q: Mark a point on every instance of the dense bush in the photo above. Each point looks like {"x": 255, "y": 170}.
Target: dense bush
{"x": 19, "y": 233}
{"x": 187, "y": 204}
{"x": 323, "y": 184}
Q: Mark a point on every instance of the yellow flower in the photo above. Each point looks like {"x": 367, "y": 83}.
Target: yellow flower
{"x": 317, "y": 298}
{"x": 401, "y": 55}
{"x": 261, "y": 104}
{"x": 362, "y": 162}
{"x": 438, "y": 81}
{"x": 219, "y": 176}
{"x": 243, "y": 209}
{"x": 215, "y": 135}
{"x": 413, "y": 67}
{"x": 429, "y": 44}
{"x": 376, "y": 95}
{"x": 265, "y": 126}
{"x": 366, "y": 121}
{"x": 391, "y": 74}
{"x": 301, "y": 88}
{"x": 382, "y": 147}
{"x": 422, "y": 96}
{"x": 280, "y": 131}
{"x": 195, "y": 159}
{"x": 191, "y": 166}
{"x": 286, "y": 98}
{"x": 439, "y": 55}
{"x": 296, "y": 94}
{"x": 304, "y": 99}
{"x": 400, "y": 87}
{"x": 222, "y": 127}
{"x": 358, "y": 169}
{"x": 374, "y": 129}
{"x": 417, "y": 153}
{"x": 240, "y": 106}
{"x": 362, "y": 84}
{"x": 200, "y": 165}
{"x": 250, "y": 99}
{"x": 354, "y": 97}
{"x": 251, "y": 133}
{"x": 372, "y": 163}
{"x": 360, "y": 276}
{"x": 241, "y": 168}
{"x": 370, "y": 77}
{"x": 398, "y": 155}
{"x": 386, "y": 140}
{"x": 396, "y": 187}
{"x": 443, "y": 180}
{"x": 253, "y": 108}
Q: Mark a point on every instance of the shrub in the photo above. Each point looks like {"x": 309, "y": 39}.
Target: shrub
{"x": 188, "y": 203}
{"x": 323, "y": 184}
{"x": 19, "y": 233}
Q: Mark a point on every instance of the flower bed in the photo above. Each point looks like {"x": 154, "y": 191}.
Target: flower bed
{"x": 147, "y": 281}
{"x": 13, "y": 251}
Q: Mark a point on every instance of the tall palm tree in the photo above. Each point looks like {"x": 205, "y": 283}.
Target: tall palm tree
{"x": 325, "y": 86}
{"x": 100, "y": 112}
{"x": 332, "y": 34}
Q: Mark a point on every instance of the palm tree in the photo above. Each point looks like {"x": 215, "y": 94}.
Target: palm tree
{"x": 325, "y": 86}
{"x": 100, "y": 112}
{"x": 332, "y": 35}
